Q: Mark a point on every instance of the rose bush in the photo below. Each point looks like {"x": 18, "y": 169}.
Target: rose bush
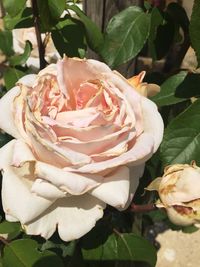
{"x": 82, "y": 137}
{"x": 178, "y": 190}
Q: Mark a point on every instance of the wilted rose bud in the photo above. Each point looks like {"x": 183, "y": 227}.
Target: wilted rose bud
{"x": 145, "y": 89}
{"x": 179, "y": 192}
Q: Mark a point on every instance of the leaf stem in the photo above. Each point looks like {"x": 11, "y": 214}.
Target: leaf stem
{"x": 41, "y": 48}
{"x": 142, "y": 208}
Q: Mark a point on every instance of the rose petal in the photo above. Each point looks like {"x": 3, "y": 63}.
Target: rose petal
{"x": 187, "y": 187}
{"x": 153, "y": 123}
{"x": 17, "y": 199}
{"x": 136, "y": 173}
{"x": 6, "y": 119}
{"x": 86, "y": 69}
{"x": 138, "y": 154}
{"x": 73, "y": 183}
{"x": 21, "y": 153}
{"x": 115, "y": 188}
{"x": 74, "y": 217}
{"x": 47, "y": 190}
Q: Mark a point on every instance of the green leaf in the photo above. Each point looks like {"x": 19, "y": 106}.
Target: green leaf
{"x": 11, "y": 76}
{"x": 69, "y": 37}
{"x": 13, "y": 229}
{"x": 21, "y": 59}
{"x": 4, "y": 139}
{"x": 93, "y": 34}
{"x": 168, "y": 89}
{"x": 12, "y": 7}
{"x": 56, "y": 8}
{"x": 6, "y": 42}
{"x": 126, "y": 35}
{"x": 189, "y": 87}
{"x": 52, "y": 10}
{"x": 156, "y": 20}
{"x": 194, "y": 29}
{"x": 25, "y": 253}
{"x": 67, "y": 249}
{"x": 127, "y": 247}
{"x": 23, "y": 20}
{"x": 190, "y": 229}
{"x": 181, "y": 142}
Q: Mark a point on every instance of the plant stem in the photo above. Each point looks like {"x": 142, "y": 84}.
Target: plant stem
{"x": 4, "y": 241}
{"x": 41, "y": 48}
{"x": 142, "y": 208}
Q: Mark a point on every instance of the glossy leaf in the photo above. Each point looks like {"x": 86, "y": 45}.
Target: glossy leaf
{"x": 181, "y": 142}
{"x": 52, "y": 10}
{"x": 167, "y": 91}
{"x": 67, "y": 249}
{"x": 12, "y": 7}
{"x": 93, "y": 33}
{"x": 23, "y": 20}
{"x": 12, "y": 229}
{"x": 25, "y": 253}
{"x": 21, "y": 59}
{"x": 4, "y": 139}
{"x": 56, "y": 8}
{"x": 194, "y": 29}
{"x": 127, "y": 247}
{"x": 69, "y": 37}
{"x": 189, "y": 87}
{"x": 126, "y": 35}
{"x": 11, "y": 76}
{"x": 6, "y": 42}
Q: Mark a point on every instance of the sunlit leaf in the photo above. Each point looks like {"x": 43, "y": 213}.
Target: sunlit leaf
{"x": 181, "y": 142}
{"x": 194, "y": 29}
{"x": 168, "y": 89}
{"x": 93, "y": 33}
{"x": 6, "y": 42}
{"x": 13, "y": 229}
{"x": 25, "y": 253}
{"x": 12, "y": 7}
{"x": 21, "y": 59}
{"x": 11, "y": 76}
{"x": 126, "y": 35}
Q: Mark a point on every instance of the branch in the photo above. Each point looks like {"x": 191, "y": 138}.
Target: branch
{"x": 4, "y": 241}
{"x": 41, "y": 48}
{"x": 142, "y": 208}
{"x": 174, "y": 60}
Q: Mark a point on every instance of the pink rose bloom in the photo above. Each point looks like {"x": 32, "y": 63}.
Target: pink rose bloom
{"x": 82, "y": 137}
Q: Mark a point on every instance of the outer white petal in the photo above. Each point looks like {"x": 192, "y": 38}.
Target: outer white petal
{"x": 21, "y": 153}
{"x": 47, "y": 190}
{"x": 6, "y": 119}
{"x": 153, "y": 123}
{"x": 27, "y": 80}
{"x": 136, "y": 173}
{"x": 115, "y": 188}
{"x": 17, "y": 199}
{"x": 73, "y": 216}
{"x": 73, "y": 183}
